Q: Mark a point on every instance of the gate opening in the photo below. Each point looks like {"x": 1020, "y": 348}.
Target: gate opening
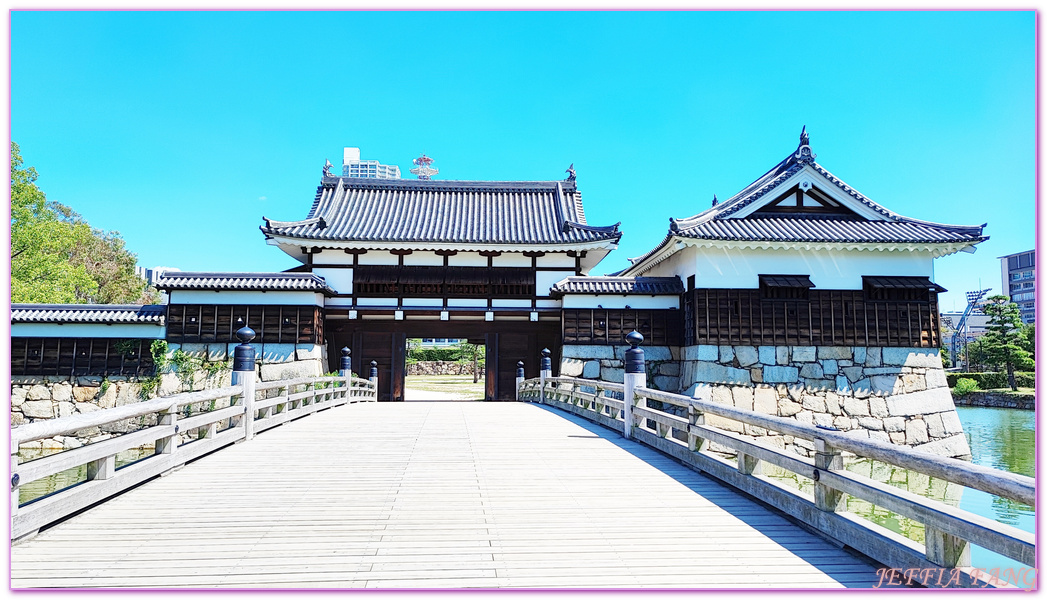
{"x": 445, "y": 369}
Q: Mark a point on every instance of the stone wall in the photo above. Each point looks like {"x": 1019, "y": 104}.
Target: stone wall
{"x": 896, "y": 395}
{"x": 443, "y": 367}
{"x": 997, "y": 400}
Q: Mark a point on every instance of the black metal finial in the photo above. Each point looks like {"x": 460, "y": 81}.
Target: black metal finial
{"x": 245, "y": 334}
{"x": 346, "y": 363}
{"x": 346, "y": 351}
{"x": 547, "y": 362}
{"x": 374, "y": 369}
{"x": 634, "y": 358}
{"x": 520, "y": 369}
{"x": 14, "y": 480}
{"x": 635, "y": 338}
{"x": 805, "y": 138}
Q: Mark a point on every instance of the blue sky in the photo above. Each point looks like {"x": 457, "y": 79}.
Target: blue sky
{"x": 182, "y": 129}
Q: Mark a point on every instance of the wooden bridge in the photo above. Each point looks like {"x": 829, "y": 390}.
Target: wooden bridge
{"x": 543, "y": 493}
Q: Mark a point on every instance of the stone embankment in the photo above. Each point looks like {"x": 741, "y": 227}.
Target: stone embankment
{"x": 897, "y": 395}
{"x": 997, "y": 400}
{"x": 442, "y": 367}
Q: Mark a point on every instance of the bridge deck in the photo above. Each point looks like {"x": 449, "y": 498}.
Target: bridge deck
{"x": 428, "y": 495}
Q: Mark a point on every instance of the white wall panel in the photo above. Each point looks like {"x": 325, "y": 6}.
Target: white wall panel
{"x": 245, "y": 297}
{"x": 512, "y": 259}
{"x": 423, "y": 258}
{"x": 84, "y": 330}
{"x": 340, "y": 280}
{"x": 544, "y": 280}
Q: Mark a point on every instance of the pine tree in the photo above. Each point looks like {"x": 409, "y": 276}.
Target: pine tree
{"x": 1003, "y": 341}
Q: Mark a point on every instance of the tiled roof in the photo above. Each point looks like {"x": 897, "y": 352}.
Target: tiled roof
{"x": 618, "y": 285}
{"x": 87, "y": 313}
{"x": 905, "y": 283}
{"x": 824, "y": 229}
{"x": 281, "y": 282}
{"x": 411, "y": 210}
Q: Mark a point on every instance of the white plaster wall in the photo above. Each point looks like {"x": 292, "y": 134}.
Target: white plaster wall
{"x": 332, "y": 257}
{"x": 341, "y": 280}
{"x": 423, "y": 302}
{"x": 376, "y": 301}
{"x": 548, "y": 304}
{"x": 467, "y": 302}
{"x": 828, "y": 269}
{"x": 619, "y": 301}
{"x": 339, "y": 302}
{"x": 506, "y": 303}
{"x": 512, "y": 259}
{"x": 423, "y": 258}
{"x": 95, "y": 330}
{"x": 379, "y": 257}
{"x": 544, "y": 280}
{"x": 467, "y": 259}
{"x": 557, "y": 259}
{"x": 682, "y": 264}
{"x": 245, "y": 297}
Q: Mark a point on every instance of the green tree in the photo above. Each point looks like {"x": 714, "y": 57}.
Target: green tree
{"x": 57, "y": 257}
{"x": 1003, "y": 340}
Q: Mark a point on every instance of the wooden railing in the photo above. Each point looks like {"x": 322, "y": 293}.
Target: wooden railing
{"x": 675, "y": 424}
{"x": 176, "y": 439}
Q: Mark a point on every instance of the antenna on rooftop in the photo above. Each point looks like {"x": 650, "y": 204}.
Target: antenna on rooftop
{"x": 423, "y": 170}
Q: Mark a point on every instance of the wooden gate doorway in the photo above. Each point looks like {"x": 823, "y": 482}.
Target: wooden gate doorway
{"x": 385, "y": 342}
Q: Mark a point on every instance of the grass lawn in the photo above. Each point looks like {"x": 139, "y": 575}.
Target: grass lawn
{"x": 460, "y": 385}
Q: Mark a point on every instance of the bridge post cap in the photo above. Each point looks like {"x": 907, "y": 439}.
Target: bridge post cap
{"x": 374, "y": 363}
{"x": 634, "y": 338}
{"x": 245, "y": 334}
{"x": 519, "y": 364}
{"x": 346, "y": 351}
{"x": 546, "y": 352}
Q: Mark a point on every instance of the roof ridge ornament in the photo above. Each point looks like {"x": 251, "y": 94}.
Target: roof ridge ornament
{"x": 327, "y": 167}
{"x": 424, "y": 171}
{"x": 804, "y": 155}
{"x": 571, "y": 175}
{"x": 715, "y": 201}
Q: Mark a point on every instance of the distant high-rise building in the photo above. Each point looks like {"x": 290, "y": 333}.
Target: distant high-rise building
{"x": 352, "y": 166}
{"x": 1019, "y": 282}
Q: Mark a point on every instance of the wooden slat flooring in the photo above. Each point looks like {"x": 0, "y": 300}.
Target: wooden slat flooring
{"x": 434, "y": 495}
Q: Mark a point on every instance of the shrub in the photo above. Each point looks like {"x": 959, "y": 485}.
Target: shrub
{"x": 991, "y": 381}
{"x": 964, "y": 386}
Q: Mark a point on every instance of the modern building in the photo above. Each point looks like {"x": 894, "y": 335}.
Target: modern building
{"x": 440, "y": 342}
{"x": 1018, "y": 273}
{"x": 352, "y": 166}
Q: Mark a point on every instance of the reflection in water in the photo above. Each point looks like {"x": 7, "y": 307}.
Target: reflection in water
{"x": 34, "y": 490}
{"x": 1000, "y": 438}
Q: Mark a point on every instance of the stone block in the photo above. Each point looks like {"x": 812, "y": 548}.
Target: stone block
{"x": 85, "y": 407}
{"x": 955, "y": 446}
{"x": 743, "y": 397}
{"x": 873, "y": 357}
{"x": 722, "y": 395}
{"x": 861, "y": 389}
{"x": 38, "y": 409}
{"x": 835, "y": 352}
{"x": 878, "y": 407}
{"x": 870, "y": 423}
{"x": 17, "y": 419}
{"x": 853, "y": 373}
{"x": 587, "y": 352}
{"x": 843, "y": 386}
{"x": 935, "y": 426}
{"x": 292, "y": 370}
{"x": 920, "y": 403}
{"x": 724, "y": 423}
{"x": 767, "y": 354}
{"x": 781, "y": 374}
{"x": 935, "y": 378}
{"x": 651, "y": 353}
{"x": 746, "y": 355}
{"x": 702, "y": 352}
{"x": 795, "y": 392}
{"x": 671, "y": 369}
{"x": 591, "y": 369}
{"x": 64, "y": 409}
{"x": 170, "y": 384}
{"x": 26, "y": 379}
{"x": 38, "y": 392}
{"x": 666, "y": 383}
{"x": 823, "y": 420}
{"x": 308, "y": 351}
{"x": 842, "y": 423}
{"x": 711, "y": 372}
{"x": 612, "y": 374}
{"x": 275, "y": 353}
{"x": 18, "y": 396}
{"x": 788, "y": 408}
{"x": 56, "y": 378}
{"x": 108, "y": 398}
{"x": 892, "y": 424}
{"x": 812, "y": 371}
{"x": 571, "y": 367}
{"x": 884, "y": 371}
{"x": 831, "y": 366}
{"x": 951, "y": 422}
{"x": 815, "y": 403}
{"x": 914, "y": 383}
{"x": 818, "y": 385}
{"x": 613, "y": 363}
{"x": 726, "y": 355}
{"x": 781, "y": 355}
{"x": 897, "y": 437}
{"x": 856, "y": 407}
{"x": 833, "y": 404}
{"x": 915, "y": 432}
{"x": 913, "y": 357}
{"x": 71, "y": 443}
{"x": 756, "y": 374}
{"x": 859, "y": 355}
{"x": 84, "y": 394}
{"x": 880, "y": 436}
{"x": 128, "y": 393}
{"x": 887, "y": 384}
{"x": 89, "y": 381}
{"x": 765, "y": 400}
{"x": 806, "y": 417}
{"x": 804, "y": 354}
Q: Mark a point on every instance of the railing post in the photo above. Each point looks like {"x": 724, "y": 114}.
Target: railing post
{"x": 373, "y": 377}
{"x": 635, "y": 376}
{"x": 946, "y": 550}
{"x": 545, "y": 373}
{"x": 167, "y": 444}
{"x": 829, "y": 459}
{"x": 519, "y": 378}
{"x": 346, "y": 370}
{"x": 14, "y": 478}
{"x": 243, "y": 374}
